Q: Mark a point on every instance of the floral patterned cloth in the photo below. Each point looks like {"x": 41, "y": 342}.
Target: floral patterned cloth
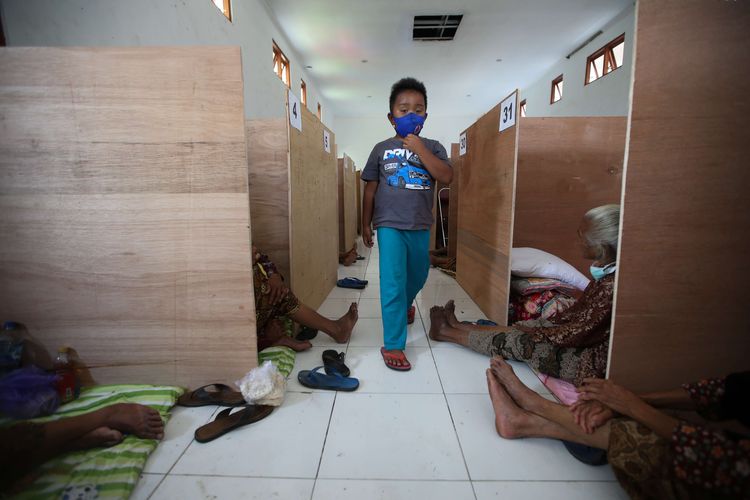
{"x": 695, "y": 463}
{"x": 264, "y": 310}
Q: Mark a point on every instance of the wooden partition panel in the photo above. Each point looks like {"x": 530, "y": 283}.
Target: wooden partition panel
{"x": 686, "y": 211}
{"x": 453, "y": 203}
{"x": 314, "y": 212}
{"x": 566, "y": 166}
{"x": 485, "y": 218}
{"x": 347, "y": 203}
{"x": 268, "y": 158}
{"x": 124, "y": 210}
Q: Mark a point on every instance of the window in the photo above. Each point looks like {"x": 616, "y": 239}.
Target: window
{"x": 557, "y": 90}
{"x": 320, "y": 113}
{"x": 605, "y": 60}
{"x": 280, "y": 64}
{"x": 225, "y": 7}
{"x": 523, "y": 108}
{"x": 303, "y": 93}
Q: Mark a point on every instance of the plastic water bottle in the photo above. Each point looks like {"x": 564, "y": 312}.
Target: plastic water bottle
{"x": 67, "y": 383}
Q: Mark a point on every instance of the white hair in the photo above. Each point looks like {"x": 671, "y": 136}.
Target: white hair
{"x": 604, "y": 228}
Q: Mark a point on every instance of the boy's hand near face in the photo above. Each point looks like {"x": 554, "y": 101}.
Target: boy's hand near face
{"x": 414, "y": 144}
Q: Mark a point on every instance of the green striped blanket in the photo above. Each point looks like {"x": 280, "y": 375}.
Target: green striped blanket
{"x": 113, "y": 472}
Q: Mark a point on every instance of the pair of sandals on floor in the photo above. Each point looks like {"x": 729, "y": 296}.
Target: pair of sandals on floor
{"x": 225, "y": 421}
{"x": 335, "y": 378}
{"x": 397, "y": 360}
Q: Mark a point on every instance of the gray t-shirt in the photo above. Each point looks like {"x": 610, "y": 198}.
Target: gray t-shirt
{"x": 404, "y": 196}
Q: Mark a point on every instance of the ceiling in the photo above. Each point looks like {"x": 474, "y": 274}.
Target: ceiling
{"x": 463, "y": 76}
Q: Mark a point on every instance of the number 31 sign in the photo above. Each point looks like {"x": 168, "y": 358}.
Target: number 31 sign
{"x": 508, "y": 112}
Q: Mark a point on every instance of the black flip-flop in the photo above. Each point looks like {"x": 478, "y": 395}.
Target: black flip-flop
{"x": 222, "y": 396}
{"x": 333, "y": 360}
{"x": 227, "y": 421}
{"x": 306, "y": 333}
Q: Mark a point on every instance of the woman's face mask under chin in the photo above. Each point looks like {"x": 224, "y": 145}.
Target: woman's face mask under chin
{"x": 409, "y": 124}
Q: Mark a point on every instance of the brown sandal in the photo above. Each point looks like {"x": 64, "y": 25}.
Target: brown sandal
{"x": 226, "y": 421}
{"x": 222, "y": 396}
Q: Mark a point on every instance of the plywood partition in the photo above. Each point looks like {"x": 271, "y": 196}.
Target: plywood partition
{"x": 124, "y": 210}
{"x": 485, "y": 218}
{"x": 686, "y": 210}
{"x": 314, "y": 212}
{"x": 566, "y": 166}
{"x": 347, "y": 203}
{"x": 453, "y": 203}
{"x": 268, "y": 157}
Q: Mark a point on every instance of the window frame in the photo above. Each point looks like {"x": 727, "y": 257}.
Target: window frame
{"x": 303, "y": 92}
{"x": 320, "y": 112}
{"x": 522, "y": 109}
{"x": 281, "y": 65}
{"x": 609, "y": 60}
{"x": 226, "y": 10}
{"x": 556, "y": 82}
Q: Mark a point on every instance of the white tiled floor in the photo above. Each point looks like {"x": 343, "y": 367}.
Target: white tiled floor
{"x": 424, "y": 434}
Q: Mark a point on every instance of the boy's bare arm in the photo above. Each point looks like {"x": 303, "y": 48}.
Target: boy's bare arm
{"x": 368, "y": 204}
{"x": 437, "y": 167}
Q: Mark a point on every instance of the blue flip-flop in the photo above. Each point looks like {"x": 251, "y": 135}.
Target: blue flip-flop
{"x": 351, "y": 283}
{"x": 334, "y": 382}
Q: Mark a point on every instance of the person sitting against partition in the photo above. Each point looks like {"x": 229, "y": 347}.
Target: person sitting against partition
{"x": 572, "y": 345}
{"x": 274, "y": 300}
{"x": 652, "y": 454}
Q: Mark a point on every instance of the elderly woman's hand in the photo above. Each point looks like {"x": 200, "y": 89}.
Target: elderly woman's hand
{"x": 590, "y": 415}
{"x": 610, "y": 394}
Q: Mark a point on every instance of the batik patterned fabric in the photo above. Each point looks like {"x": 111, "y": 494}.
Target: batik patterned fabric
{"x": 264, "y": 309}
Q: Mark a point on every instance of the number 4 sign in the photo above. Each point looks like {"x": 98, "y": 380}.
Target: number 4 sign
{"x": 295, "y": 112}
{"x": 508, "y": 112}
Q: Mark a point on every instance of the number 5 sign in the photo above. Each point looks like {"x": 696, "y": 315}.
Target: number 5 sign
{"x": 508, "y": 111}
{"x": 326, "y": 141}
{"x": 295, "y": 113}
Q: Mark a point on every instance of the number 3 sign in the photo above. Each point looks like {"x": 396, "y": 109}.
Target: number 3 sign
{"x": 508, "y": 112}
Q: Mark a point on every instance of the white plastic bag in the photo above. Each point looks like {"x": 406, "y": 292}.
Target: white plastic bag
{"x": 263, "y": 385}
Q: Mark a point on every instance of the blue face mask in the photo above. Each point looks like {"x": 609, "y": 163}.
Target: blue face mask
{"x": 600, "y": 272}
{"x": 409, "y": 124}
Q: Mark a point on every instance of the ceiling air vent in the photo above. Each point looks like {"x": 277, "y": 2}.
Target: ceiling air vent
{"x": 435, "y": 28}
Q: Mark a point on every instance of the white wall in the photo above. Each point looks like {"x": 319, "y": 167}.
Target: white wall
{"x": 169, "y": 22}
{"x": 607, "y": 96}
{"x": 357, "y": 136}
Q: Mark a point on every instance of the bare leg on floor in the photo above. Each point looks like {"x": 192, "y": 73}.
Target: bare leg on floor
{"x": 533, "y": 403}
{"x": 274, "y": 335}
{"x": 512, "y": 421}
{"x": 441, "y": 331}
{"x": 339, "y": 330}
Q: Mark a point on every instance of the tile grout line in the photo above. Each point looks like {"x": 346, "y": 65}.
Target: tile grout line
{"x": 448, "y": 406}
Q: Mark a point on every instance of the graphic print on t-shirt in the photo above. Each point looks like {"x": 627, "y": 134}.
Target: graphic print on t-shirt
{"x": 405, "y": 170}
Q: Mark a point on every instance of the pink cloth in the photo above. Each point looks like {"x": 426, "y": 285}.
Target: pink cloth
{"x": 564, "y": 391}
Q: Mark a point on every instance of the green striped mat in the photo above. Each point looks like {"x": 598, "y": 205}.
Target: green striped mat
{"x": 113, "y": 471}
{"x": 282, "y": 357}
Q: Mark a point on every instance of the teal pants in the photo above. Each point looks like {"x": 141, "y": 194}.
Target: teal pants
{"x": 404, "y": 265}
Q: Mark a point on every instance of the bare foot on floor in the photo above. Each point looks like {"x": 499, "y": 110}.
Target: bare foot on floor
{"x": 438, "y": 324}
{"x": 509, "y": 418}
{"x": 522, "y": 395}
{"x": 98, "y": 438}
{"x": 346, "y": 324}
{"x": 296, "y": 345}
{"x": 132, "y": 418}
{"x": 450, "y": 314}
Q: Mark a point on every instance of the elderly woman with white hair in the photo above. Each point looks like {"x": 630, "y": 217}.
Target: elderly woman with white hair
{"x": 572, "y": 345}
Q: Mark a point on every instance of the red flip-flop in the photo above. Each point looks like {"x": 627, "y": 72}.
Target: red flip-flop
{"x": 390, "y": 359}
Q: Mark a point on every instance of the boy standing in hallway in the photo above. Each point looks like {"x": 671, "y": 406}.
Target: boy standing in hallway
{"x": 397, "y": 201}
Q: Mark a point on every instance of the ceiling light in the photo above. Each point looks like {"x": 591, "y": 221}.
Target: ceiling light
{"x": 308, "y": 67}
{"x": 364, "y": 60}
{"x": 498, "y": 60}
